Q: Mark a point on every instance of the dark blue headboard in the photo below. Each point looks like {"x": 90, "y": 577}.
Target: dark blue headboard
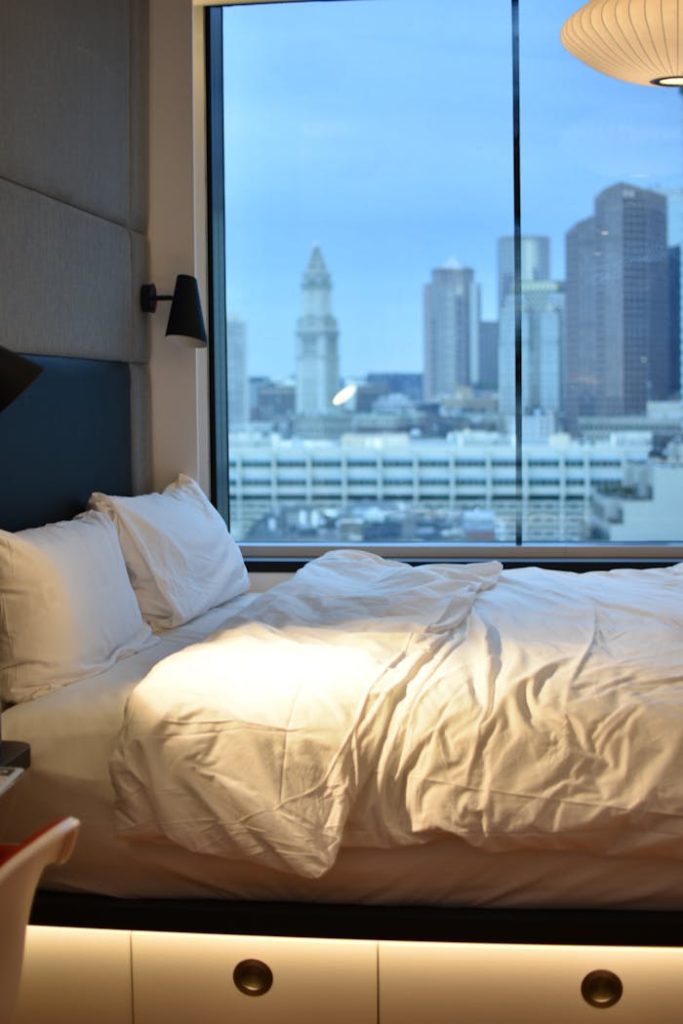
{"x": 67, "y": 435}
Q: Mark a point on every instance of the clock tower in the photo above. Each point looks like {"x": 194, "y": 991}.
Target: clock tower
{"x": 317, "y": 359}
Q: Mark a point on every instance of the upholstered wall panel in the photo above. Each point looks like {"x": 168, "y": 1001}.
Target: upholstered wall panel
{"x": 66, "y": 279}
{"x": 66, "y": 66}
{"x": 139, "y": 116}
{"x": 73, "y": 187}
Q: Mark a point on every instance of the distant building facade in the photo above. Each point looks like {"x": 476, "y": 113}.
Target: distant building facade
{"x": 535, "y": 257}
{"x": 542, "y": 328}
{"x": 459, "y": 475}
{"x": 618, "y": 334}
{"x": 674, "y": 198}
{"x": 488, "y": 354}
{"x": 408, "y": 384}
{"x": 542, "y": 321}
{"x": 451, "y": 331}
{"x": 238, "y": 380}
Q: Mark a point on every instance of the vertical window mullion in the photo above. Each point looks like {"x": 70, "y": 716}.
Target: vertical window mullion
{"x": 218, "y": 352}
{"x": 517, "y": 258}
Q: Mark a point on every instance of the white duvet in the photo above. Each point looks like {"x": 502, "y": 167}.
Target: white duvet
{"x": 371, "y": 703}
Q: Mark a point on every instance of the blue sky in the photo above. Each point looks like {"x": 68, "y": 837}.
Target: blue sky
{"x": 381, "y": 131}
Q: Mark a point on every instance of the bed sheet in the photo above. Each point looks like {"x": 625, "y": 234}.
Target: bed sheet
{"x": 72, "y": 733}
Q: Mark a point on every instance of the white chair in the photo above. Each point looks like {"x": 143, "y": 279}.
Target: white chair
{"x": 21, "y": 865}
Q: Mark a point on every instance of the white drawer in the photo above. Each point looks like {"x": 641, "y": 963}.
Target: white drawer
{"x": 75, "y": 976}
{"x": 442, "y": 983}
{"x": 180, "y": 979}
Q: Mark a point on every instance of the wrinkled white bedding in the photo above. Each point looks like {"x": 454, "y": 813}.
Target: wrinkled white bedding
{"x": 375, "y": 704}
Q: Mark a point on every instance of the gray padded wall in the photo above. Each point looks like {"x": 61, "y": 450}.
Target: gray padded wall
{"x": 73, "y": 186}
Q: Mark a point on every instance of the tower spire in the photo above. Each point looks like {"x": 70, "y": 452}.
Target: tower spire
{"x": 316, "y": 285}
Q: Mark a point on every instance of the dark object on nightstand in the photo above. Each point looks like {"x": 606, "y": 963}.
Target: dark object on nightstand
{"x": 14, "y": 754}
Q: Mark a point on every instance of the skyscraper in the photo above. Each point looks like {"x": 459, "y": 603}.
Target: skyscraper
{"x": 675, "y": 320}
{"x": 535, "y": 252}
{"x": 674, "y": 199}
{"x": 618, "y": 345}
{"x": 488, "y": 354}
{"x": 238, "y": 383}
{"x": 451, "y": 331}
{"x": 584, "y": 359}
{"x": 542, "y": 319}
{"x": 542, "y": 309}
{"x": 317, "y": 360}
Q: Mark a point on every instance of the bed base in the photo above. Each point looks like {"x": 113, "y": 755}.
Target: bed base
{"x": 342, "y": 921}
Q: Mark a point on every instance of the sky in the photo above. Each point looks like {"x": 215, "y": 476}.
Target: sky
{"x": 381, "y": 130}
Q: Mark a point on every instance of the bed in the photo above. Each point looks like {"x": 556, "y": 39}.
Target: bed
{"x": 376, "y": 818}
{"x": 475, "y": 656}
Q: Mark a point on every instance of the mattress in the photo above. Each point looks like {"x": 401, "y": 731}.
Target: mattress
{"x": 73, "y": 733}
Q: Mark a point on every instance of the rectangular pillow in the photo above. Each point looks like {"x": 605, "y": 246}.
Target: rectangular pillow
{"x": 180, "y": 556}
{"x": 67, "y": 609}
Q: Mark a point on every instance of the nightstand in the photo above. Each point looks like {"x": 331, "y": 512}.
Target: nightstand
{"x": 14, "y": 754}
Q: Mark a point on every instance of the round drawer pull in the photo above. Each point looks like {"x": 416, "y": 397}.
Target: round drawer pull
{"x": 252, "y": 977}
{"x": 601, "y": 989}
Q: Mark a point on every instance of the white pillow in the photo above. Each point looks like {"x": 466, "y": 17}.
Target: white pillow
{"x": 67, "y": 609}
{"x": 180, "y": 557}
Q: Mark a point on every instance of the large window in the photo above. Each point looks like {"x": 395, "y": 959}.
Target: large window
{"x": 450, "y": 261}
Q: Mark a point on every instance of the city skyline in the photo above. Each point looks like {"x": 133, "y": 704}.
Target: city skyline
{"x": 329, "y": 141}
{"x": 555, "y": 362}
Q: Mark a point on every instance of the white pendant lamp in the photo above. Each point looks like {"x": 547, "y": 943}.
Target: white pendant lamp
{"x": 637, "y": 40}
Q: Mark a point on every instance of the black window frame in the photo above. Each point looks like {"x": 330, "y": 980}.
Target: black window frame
{"x": 287, "y": 556}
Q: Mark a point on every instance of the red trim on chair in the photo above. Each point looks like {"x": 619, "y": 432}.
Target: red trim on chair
{"x": 9, "y": 850}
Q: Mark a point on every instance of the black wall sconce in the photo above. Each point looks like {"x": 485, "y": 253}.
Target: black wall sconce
{"x": 186, "y": 319}
{"x": 16, "y": 373}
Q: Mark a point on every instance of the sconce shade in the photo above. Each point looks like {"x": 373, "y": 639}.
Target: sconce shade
{"x": 186, "y": 319}
{"x": 638, "y": 41}
{"x": 16, "y": 373}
